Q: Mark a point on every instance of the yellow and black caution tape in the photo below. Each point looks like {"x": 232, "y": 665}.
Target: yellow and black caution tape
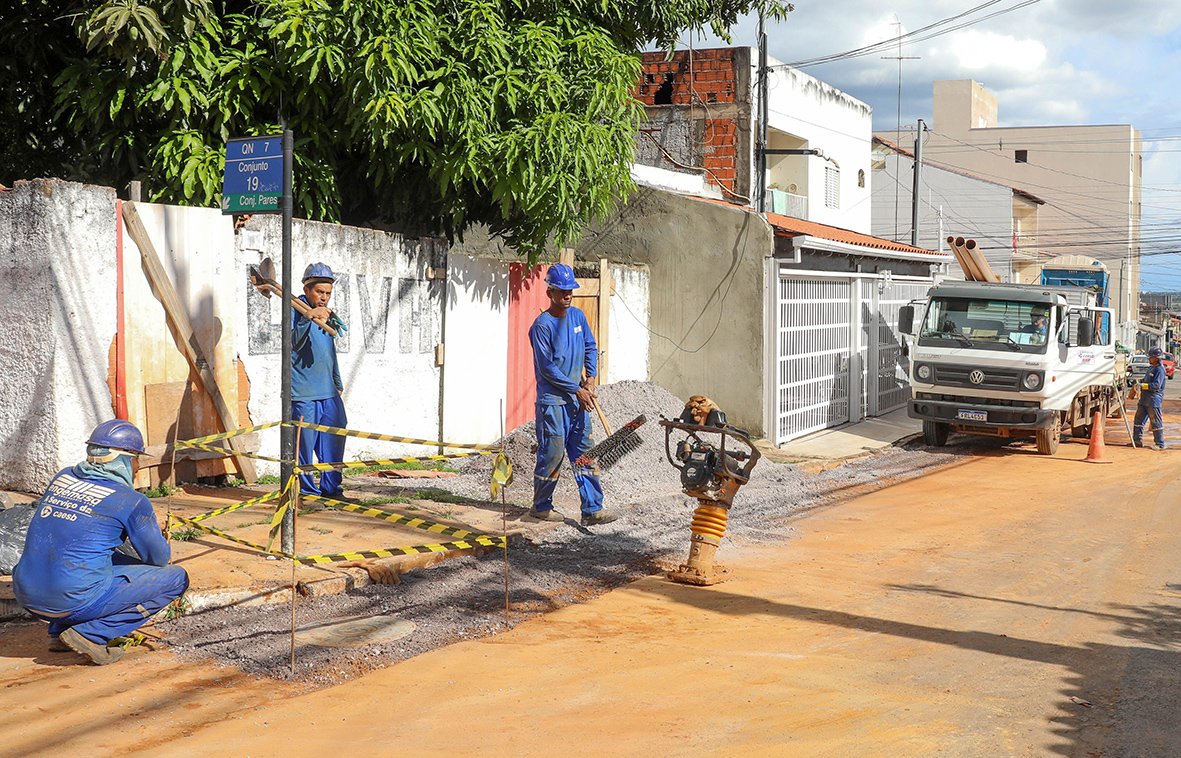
{"x": 228, "y": 451}
{"x": 225, "y": 435}
{"x": 239, "y": 506}
{"x": 389, "y": 552}
{"x": 502, "y": 474}
{"x": 227, "y": 536}
{"x": 391, "y": 438}
{"x": 309, "y": 467}
{"x": 281, "y": 511}
{"x": 393, "y": 518}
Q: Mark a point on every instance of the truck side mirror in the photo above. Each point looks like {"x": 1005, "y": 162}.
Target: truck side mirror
{"x": 906, "y": 319}
{"x": 1086, "y": 332}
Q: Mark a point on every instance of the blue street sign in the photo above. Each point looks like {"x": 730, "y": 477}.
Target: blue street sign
{"x": 253, "y": 179}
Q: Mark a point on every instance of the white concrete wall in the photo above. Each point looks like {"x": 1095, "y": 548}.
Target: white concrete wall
{"x": 627, "y": 327}
{"x": 57, "y": 284}
{"x": 476, "y": 371}
{"x": 673, "y": 181}
{"x": 833, "y": 122}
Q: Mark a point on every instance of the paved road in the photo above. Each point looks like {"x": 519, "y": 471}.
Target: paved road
{"x": 1009, "y": 605}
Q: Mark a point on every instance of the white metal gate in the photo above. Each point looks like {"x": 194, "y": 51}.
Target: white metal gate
{"x": 881, "y": 298}
{"x": 838, "y": 353}
{"x": 813, "y": 353}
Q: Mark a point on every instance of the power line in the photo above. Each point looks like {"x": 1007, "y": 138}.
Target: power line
{"x": 913, "y": 36}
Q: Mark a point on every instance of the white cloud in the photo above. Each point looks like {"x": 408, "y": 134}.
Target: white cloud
{"x": 982, "y": 51}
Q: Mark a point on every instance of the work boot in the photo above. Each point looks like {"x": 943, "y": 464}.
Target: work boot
{"x": 1160, "y": 446}
{"x": 101, "y": 655}
{"x": 57, "y": 646}
{"x": 598, "y": 517}
{"x": 549, "y": 514}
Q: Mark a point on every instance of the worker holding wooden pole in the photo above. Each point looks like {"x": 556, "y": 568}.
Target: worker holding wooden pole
{"x": 316, "y": 387}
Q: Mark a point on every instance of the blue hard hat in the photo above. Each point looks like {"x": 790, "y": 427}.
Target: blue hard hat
{"x": 318, "y": 272}
{"x": 117, "y": 434}
{"x": 561, "y": 277}
{"x": 1155, "y": 352}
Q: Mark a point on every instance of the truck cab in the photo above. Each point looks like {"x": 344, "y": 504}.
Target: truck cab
{"x": 1009, "y": 360}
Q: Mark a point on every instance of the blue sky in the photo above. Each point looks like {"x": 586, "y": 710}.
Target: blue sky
{"x": 1049, "y": 62}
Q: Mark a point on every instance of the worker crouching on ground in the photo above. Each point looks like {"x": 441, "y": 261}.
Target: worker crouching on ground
{"x": 70, "y": 573}
{"x": 1152, "y": 394}
{"x": 563, "y": 349}
{"x": 315, "y": 383}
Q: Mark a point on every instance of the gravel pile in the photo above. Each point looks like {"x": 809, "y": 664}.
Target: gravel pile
{"x": 464, "y": 598}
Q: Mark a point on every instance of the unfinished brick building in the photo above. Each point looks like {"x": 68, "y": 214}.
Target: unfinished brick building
{"x": 699, "y": 116}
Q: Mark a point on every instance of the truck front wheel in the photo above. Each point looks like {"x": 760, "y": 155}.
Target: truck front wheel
{"x": 1048, "y": 439}
{"x": 935, "y": 433}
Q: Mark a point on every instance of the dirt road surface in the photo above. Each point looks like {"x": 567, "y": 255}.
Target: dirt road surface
{"x": 1008, "y": 605}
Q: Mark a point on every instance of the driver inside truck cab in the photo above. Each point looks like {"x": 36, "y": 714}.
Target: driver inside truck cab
{"x": 1038, "y": 323}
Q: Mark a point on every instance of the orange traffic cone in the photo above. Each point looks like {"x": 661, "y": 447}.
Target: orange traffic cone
{"x": 1096, "y": 450}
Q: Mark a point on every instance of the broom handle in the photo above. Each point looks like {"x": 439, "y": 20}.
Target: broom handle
{"x": 602, "y": 417}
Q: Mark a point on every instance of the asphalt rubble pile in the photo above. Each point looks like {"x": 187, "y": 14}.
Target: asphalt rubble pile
{"x": 463, "y": 598}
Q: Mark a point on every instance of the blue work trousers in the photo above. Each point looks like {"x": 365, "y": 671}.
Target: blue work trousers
{"x": 564, "y": 430}
{"x": 327, "y": 448}
{"x": 1145, "y": 411}
{"x": 138, "y": 592}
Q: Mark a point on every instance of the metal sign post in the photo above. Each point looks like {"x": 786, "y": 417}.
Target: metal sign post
{"x": 257, "y": 179}
{"x": 286, "y": 433}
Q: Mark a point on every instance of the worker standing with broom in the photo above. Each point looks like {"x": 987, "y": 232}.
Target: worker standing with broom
{"x": 563, "y": 350}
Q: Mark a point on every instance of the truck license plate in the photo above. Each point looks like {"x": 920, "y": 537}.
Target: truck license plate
{"x": 972, "y": 415}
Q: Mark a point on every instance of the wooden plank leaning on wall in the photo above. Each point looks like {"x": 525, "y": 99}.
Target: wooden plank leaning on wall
{"x": 182, "y": 330}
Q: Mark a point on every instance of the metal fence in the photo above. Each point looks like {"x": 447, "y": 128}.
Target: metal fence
{"x": 838, "y": 354}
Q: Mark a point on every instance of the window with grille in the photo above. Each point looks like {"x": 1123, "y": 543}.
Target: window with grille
{"x": 832, "y": 187}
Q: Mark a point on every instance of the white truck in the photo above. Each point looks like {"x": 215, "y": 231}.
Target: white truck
{"x": 1010, "y": 360}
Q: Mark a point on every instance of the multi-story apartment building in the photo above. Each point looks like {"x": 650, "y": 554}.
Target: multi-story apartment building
{"x": 1088, "y": 177}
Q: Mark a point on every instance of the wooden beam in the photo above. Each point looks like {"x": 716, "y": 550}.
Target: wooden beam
{"x": 182, "y": 329}
{"x": 606, "y": 287}
{"x": 566, "y": 255}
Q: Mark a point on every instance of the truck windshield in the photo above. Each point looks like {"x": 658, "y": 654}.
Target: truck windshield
{"x": 1014, "y": 325}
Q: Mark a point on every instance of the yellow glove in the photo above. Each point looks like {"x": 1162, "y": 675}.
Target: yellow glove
{"x": 1144, "y": 385}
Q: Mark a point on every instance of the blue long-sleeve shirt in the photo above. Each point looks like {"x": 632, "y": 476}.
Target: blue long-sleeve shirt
{"x": 1155, "y": 379}
{"x": 563, "y": 348}
{"x": 315, "y": 373}
{"x": 67, "y": 560}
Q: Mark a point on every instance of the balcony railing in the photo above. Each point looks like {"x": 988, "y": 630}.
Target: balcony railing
{"x": 787, "y": 204}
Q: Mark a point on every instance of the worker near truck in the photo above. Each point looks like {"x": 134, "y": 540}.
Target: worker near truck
{"x": 71, "y": 573}
{"x": 565, "y": 362}
{"x": 316, "y": 387}
{"x": 1152, "y": 394}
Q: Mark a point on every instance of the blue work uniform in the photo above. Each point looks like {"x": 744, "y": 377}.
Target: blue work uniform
{"x": 315, "y": 398}
{"x": 69, "y": 573}
{"x": 1149, "y": 406}
{"x": 563, "y": 348}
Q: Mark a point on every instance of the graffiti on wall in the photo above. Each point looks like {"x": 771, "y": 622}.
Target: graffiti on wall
{"x": 407, "y": 309}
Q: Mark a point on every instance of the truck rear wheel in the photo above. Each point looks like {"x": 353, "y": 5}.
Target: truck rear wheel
{"x": 935, "y": 433}
{"x": 1048, "y": 439}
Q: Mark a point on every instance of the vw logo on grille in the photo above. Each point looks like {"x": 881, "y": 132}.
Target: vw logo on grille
{"x": 976, "y": 377}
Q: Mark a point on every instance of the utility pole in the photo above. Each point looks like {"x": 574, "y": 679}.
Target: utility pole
{"x": 761, "y": 147}
{"x": 914, "y": 190}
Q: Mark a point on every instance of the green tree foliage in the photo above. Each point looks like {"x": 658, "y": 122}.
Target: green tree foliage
{"x": 424, "y": 115}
